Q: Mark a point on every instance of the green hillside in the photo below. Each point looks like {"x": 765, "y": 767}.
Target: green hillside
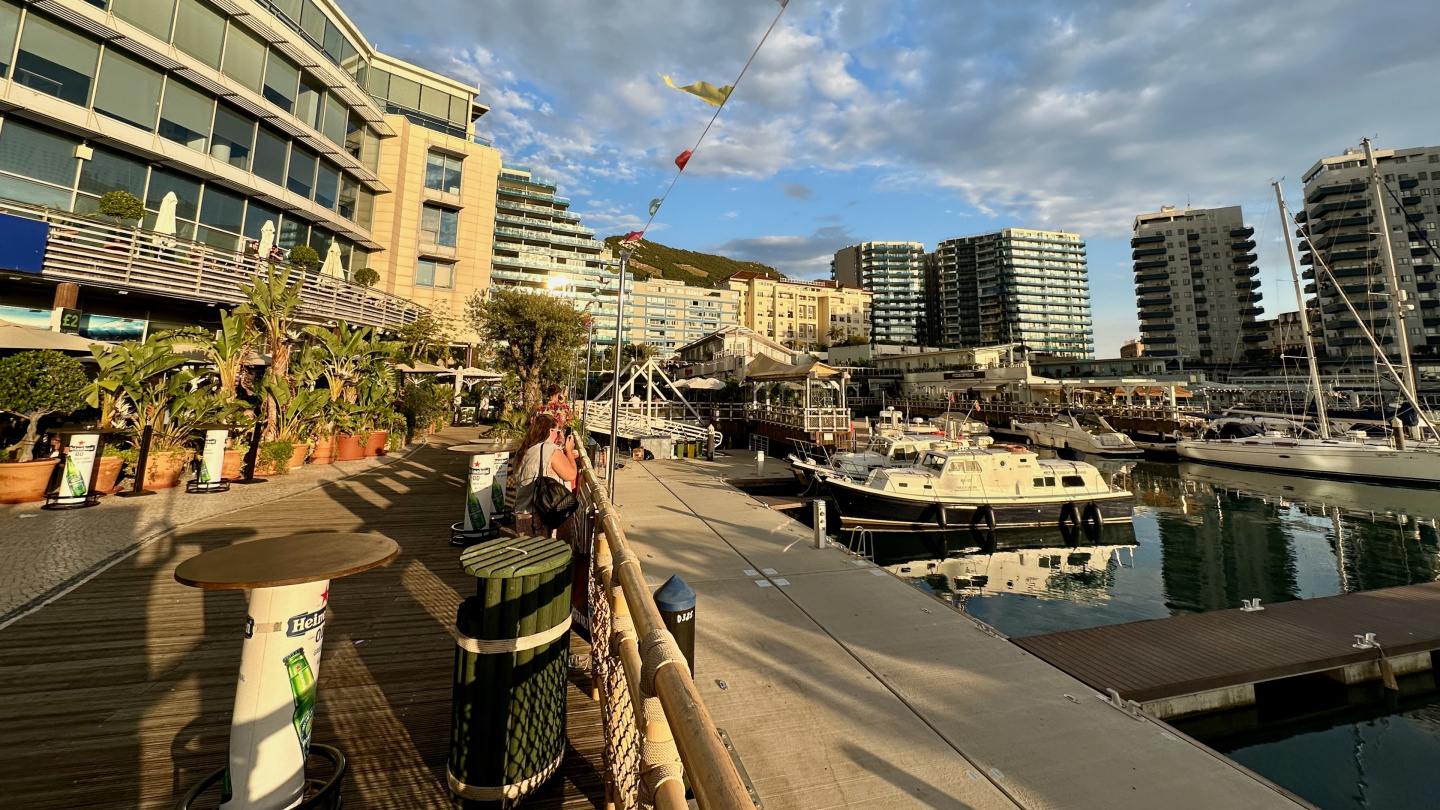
{"x": 654, "y": 260}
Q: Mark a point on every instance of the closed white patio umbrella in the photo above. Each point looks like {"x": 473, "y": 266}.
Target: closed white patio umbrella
{"x": 165, "y": 220}
{"x": 331, "y": 268}
{"x": 267, "y": 240}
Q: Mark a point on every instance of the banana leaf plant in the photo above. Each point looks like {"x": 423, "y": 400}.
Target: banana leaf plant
{"x": 128, "y": 375}
{"x": 347, "y": 356}
{"x": 189, "y": 408}
{"x": 300, "y": 411}
{"x": 273, "y": 301}
{"x": 226, "y": 349}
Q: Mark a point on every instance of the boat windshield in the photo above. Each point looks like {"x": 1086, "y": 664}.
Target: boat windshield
{"x": 905, "y": 453}
{"x": 934, "y": 463}
{"x": 1093, "y": 423}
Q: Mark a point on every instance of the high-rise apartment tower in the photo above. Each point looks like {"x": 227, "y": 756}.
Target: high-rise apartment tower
{"x": 894, "y": 273}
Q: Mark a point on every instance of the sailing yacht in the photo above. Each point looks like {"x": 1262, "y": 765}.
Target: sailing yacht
{"x": 1350, "y": 457}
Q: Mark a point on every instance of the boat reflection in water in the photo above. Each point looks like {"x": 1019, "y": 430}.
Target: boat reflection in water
{"x": 1203, "y": 538}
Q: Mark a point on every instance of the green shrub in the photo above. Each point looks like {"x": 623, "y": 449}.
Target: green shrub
{"x": 37, "y": 384}
{"x": 121, "y": 205}
{"x": 366, "y": 277}
{"x": 276, "y": 456}
{"x": 304, "y": 256}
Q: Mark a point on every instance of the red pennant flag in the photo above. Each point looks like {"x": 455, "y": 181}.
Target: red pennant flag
{"x": 632, "y": 237}
{"x": 683, "y": 159}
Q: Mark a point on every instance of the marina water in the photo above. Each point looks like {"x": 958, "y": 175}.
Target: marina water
{"x": 1204, "y": 538}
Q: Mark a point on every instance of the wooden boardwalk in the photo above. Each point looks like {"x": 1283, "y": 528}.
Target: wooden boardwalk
{"x": 119, "y": 694}
{"x": 1160, "y": 659}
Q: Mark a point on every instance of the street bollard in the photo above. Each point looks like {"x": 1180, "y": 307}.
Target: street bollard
{"x": 819, "y": 506}
{"x": 677, "y": 609}
{"x": 710, "y": 442}
{"x": 760, "y": 463}
{"x": 1398, "y": 428}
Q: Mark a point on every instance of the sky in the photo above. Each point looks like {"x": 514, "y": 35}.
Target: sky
{"x": 926, "y": 120}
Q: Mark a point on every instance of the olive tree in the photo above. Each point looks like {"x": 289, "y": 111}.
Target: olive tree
{"x": 34, "y": 385}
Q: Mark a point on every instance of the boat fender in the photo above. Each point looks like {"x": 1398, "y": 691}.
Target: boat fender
{"x": 942, "y": 516}
{"x": 1015, "y": 448}
{"x": 983, "y": 517}
{"x": 1069, "y": 516}
{"x": 1091, "y": 521}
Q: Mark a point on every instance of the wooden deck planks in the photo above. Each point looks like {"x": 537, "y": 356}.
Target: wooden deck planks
{"x": 119, "y": 695}
{"x": 1162, "y": 658}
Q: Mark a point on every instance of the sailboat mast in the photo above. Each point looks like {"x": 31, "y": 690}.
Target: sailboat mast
{"x": 1392, "y": 279}
{"x": 1323, "y": 416}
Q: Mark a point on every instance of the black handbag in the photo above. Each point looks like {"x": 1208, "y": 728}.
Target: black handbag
{"x": 554, "y": 502}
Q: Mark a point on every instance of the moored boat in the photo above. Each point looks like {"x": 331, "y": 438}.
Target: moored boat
{"x": 1078, "y": 430}
{"x": 999, "y": 486}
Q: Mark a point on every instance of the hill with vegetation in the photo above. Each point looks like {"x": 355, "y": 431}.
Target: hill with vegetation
{"x": 653, "y": 260}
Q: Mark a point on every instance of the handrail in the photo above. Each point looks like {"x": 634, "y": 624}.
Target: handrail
{"x": 712, "y": 774}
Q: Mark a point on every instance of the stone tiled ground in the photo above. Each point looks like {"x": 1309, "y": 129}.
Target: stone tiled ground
{"x": 47, "y": 552}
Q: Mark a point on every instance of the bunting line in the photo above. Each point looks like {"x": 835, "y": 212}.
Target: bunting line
{"x": 725, "y": 94}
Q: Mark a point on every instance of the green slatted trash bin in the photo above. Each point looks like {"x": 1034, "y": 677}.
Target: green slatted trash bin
{"x": 507, "y": 725}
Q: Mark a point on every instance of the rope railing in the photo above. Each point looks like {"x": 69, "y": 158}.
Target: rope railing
{"x": 658, "y": 733}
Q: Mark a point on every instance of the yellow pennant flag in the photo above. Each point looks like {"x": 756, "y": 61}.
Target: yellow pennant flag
{"x": 705, "y": 91}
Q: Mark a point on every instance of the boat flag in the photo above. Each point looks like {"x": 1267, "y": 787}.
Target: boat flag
{"x": 632, "y": 237}
{"x": 655, "y": 205}
{"x": 682, "y": 159}
{"x": 705, "y": 91}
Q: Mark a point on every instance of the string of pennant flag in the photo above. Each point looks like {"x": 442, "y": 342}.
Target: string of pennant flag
{"x": 715, "y": 97}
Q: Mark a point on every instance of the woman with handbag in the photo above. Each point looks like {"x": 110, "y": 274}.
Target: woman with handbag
{"x": 545, "y": 455}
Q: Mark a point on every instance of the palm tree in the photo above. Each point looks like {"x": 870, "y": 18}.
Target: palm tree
{"x": 273, "y": 301}
{"x": 132, "y": 371}
{"x": 344, "y": 355}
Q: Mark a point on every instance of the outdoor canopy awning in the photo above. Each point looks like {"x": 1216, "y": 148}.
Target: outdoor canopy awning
{"x": 701, "y": 384}
{"x": 768, "y": 369}
{"x": 422, "y": 368}
{"x": 976, "y": 386}
{"x": 1150, "y": 391}
{"x": 28, "y": 338}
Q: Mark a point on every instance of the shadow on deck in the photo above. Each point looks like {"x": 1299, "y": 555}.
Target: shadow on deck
{"x": 119, "y": 694}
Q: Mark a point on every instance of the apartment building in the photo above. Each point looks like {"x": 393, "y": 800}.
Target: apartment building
{"x": 1017, "y": 286}
{"x": 1196, "y": 290}
{"x": 259, "y": 117}
{"x": 1339, "y": 229}
{"x": 801, "y": 314}
{"x": 540, "y": 244}
{"x": 669, "y": 315}
{"x": 894, "y": 274}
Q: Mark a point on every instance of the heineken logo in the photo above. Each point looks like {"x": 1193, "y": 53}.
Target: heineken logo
{"x": 304, "y": 623}
{"x": 481, "y": 471}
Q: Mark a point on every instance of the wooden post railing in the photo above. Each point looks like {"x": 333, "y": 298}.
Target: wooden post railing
{"x": 667, "y": 706}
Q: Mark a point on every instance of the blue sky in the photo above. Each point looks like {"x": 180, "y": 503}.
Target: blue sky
{"x": 923, "y": 120}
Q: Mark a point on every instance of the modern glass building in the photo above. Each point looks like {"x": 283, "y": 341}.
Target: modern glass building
{"x": 1196, "y": 290}
{"x": 1014, "y": 286}
{"x": 540, "y": 244}
{"x": 250, "y": 112}
{"x": 894, "y": 273}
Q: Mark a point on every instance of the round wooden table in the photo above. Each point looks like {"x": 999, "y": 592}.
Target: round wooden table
{"x": 484, "y": 489}
{"x": 287, "y": 586}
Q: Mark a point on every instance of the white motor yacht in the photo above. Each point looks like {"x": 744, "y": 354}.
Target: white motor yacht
{"x": 1078, "y": 430}
{"x": 901, "y": 450}
{"x": 996, "y": 486}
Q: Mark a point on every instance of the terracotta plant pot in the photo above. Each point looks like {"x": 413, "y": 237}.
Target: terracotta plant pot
{"x": 234, "y": 465}
{"x": 108, "y": 474}
{"x": 347, "y": 448}
{"x": 166, "y": 468}
{"x": 376, "y": 445}
{"x": 25, "y": 482}
{"x": 324, "y": 451}
{"x": 297, "y": 458}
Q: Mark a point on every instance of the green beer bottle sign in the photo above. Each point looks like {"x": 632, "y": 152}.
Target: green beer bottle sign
{"x": 497, "y": 487}
{"x": 212, "y": 457}
{"x": 479, "y": 500}
{"x": 302, "y": 691}
{"x": 79, "y": 462}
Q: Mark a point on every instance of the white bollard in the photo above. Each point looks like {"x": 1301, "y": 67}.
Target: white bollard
{"x": 760, "y": 463}
{"x": 819, "y": 506}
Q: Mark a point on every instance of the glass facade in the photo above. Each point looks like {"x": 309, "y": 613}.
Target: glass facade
{"x": 434, "y": 274}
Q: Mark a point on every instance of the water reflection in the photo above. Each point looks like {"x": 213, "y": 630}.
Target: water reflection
{"x": 1203, "y": 538}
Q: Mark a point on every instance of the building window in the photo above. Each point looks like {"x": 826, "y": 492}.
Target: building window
{"x": 244, "y": 58}
{"x": 185, "y": 116}
{"x": 56, "y": 61}
{"x": 442, "y": 173}
{"x": 222, "y": 213}
{"x": 308, "y": 102}
{"x": 106, "y": 171}
{"x": 434, "y": 274}
{"x": 327, "y": 184}
{"x": 270, "y": 149}
{"x": 282, "y": 79}
{"x": 233, "y": 136}
{"x": 301, "y": 176}
{"x": 151, "y": 15}
{"x": 128, "y": 91}
{"x": 37, "y": 154}
{"x": 199, "y": 31}
{"x": 439, "y": 225}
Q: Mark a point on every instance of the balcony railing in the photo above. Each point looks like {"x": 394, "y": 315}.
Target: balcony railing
{"x": 87, "y": 251}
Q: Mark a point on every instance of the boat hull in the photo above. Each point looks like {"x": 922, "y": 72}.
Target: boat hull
{"x": 865, "y": 507}
{"x": 1337, "y": 460}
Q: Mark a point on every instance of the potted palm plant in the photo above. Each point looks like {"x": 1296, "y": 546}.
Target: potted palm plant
{"x": 299, "y": 412}
{"x": 34, "y": 385}
{"x": 348, "y": 425}
{"x": 133, "y": 388}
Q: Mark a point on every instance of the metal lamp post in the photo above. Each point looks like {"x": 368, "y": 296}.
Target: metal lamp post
{"x": 615, "y": 386}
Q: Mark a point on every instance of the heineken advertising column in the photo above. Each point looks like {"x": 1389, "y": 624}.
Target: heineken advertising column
{"x": 77, "y": 476}
{"x": 287, "y": 589}
{"x": 210, "y": 476}
{"x": 484, "y": 491}
{"x": 275, "y": 699}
